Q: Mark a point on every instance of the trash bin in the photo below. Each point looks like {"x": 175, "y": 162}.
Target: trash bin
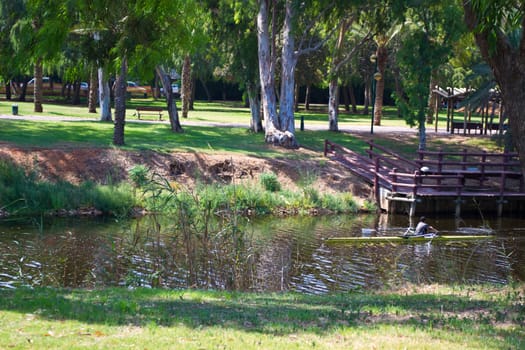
{"x": 14, "y": 109}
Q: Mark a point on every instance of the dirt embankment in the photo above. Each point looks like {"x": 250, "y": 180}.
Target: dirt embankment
{"x": 108, "y": 165}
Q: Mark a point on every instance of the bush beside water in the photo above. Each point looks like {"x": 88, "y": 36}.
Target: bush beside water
{"x": 24, "y": 193}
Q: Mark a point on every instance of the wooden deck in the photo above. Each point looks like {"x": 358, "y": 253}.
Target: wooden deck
{"x": 434, "y": 174}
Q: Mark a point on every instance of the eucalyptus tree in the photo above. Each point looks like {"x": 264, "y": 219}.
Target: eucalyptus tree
{"x": 310, "y": 70}
{"x": 426, "y": 44}
{"x": 234, "y": 38}
{"x": 383, "y": 20}
{"x": 142, "y": 35}
{"x": 498, "y": 27}
{"x": 10, "y": 12}
{"x": 39, "y": 33}
{"x": 293, "y": 22}
{"x": 348, "y": 42}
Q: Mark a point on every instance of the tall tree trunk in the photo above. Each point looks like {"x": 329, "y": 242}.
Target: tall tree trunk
{"x": 120, "y": 103}
{"x": 382, "y": 57}
{"x": 333, "y": 105}
{"x": 76, "y": 93}
{"x": 289, "y": 61}
{"x": 296, "y": 98}
{"x": 307, "y": 98}
{"x": 92, "y": 97}
{"x": 206, "y": 90}
{"x": 170, "y": 100}
{"x": 367, "y": 96}
{"x": 38, "y": 88}
{"x": 186, "y": 86}
{"x": 266, "y": 69}
{"x": 104, "y": 96}
{"x": 333, "y": 87}
{"x": 432, "y": 97}
{"x": 346, "y": 100}
{"x": 422, "y": 134}
{"x": 508, "y": 67}
{"x": 255, "y": 107}
{"x": 23, "y": 91}
{"x": 353, "y": 100}
{"x": 192, "y": 99}
{"x": 8, "y": 90}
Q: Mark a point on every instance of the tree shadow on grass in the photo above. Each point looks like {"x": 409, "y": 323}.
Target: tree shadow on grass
{"x": 276, "y": 314}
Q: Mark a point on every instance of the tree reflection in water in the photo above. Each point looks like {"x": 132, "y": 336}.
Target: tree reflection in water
{"x": 238, "y": 254}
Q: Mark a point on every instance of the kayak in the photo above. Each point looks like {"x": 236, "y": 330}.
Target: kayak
{"x": 407, "y": 238}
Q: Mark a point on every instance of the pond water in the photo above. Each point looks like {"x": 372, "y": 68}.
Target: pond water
{"x": 259, "y": 255}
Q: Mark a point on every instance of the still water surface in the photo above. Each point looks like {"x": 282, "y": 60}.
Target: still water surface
{"x": 264, "y": 255}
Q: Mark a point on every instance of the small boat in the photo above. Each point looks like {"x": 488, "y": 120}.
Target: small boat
{"x": 431, "y": 237}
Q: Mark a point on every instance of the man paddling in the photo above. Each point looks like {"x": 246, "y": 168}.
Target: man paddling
{"x": 423, "y": 228}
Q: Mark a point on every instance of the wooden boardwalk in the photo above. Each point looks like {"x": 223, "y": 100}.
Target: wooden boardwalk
{"x": 440, "y": 174}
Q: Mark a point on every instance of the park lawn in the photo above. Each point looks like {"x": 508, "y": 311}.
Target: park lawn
{"x": 228, "y": 112}
{"x": 87, "y": 131}
{"x": 158, "y": 137}
{"x": 427, "y": 317}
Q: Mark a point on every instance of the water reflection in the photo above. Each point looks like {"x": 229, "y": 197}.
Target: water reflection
{"x": 265, "y": 255}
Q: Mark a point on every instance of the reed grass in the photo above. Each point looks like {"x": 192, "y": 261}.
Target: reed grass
{"x": 24, "y": 193}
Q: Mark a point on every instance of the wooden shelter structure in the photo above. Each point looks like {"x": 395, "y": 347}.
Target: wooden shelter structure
{"x": 489, "y": 108}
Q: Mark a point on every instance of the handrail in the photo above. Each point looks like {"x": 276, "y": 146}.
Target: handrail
{"x": 371, "y": 153}
{"x": 383, "y": 172}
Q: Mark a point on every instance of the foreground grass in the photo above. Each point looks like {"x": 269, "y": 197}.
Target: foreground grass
{"x": 437, "y": 317}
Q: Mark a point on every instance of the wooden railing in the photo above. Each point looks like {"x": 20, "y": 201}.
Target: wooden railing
{"x": 434, "y": 173}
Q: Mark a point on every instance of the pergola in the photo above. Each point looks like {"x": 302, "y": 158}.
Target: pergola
{"x": 451, "y": 96}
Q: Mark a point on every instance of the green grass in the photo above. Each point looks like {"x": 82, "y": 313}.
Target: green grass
{"x": 438, "y": 317}
{"x": 157, "y": 137}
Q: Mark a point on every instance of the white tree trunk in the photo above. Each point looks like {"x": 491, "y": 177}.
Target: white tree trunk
{"x": 277, "y": 130}
{"x": 289, "y": 61}
{"x": 266, "y": 71}
{"x": 104, "y": 97}
{"x": 92, "y": 94}
{"x": 333, "y": 105}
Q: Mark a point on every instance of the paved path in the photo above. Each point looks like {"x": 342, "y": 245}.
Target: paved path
{"x": 345, "y": 127}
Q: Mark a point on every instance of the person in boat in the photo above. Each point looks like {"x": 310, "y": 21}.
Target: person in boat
{"x": 423, "y": 228}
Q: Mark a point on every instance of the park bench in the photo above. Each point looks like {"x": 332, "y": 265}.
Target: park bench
{"x": 467, "y": 127}
{"x": 148, "y": 110}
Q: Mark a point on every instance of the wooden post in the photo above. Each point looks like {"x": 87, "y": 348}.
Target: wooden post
{"x": 465, "y": 156}
{"x": 483, "y": 160}
{"x": 376, "y": 181}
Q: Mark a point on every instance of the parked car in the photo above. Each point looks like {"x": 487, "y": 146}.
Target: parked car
{"x": 135, "y": 90}
{"x": 84, "y": 86}
{"x": 45, "y": 81}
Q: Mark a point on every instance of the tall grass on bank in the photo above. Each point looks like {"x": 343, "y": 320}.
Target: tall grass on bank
{"x": 24, "y": 193}
{"x": 263, "y": 198}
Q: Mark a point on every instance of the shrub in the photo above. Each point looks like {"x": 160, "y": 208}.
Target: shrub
{"x": 270, "y": 182}
{"x": 139, "y": 175}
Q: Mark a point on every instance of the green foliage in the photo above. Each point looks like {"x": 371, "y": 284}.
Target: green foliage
{"x": 270, "y": 182}
{"x": 22, "y": 193}
{"x": 139, "y": 175}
